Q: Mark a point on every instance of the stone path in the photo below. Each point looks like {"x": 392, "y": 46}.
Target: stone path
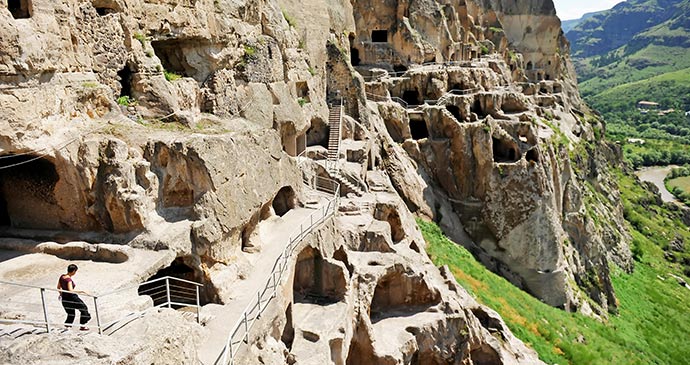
{"x": 274, "y": 236}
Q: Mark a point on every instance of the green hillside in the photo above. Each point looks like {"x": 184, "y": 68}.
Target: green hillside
{"x": 652, "y": 325}
{"x": 639, "y": 50}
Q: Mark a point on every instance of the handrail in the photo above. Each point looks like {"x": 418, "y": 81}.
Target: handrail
{"x": 256, "y": 307}
{"x": 98, "y": 302}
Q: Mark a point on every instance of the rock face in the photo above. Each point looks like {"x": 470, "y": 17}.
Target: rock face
{"x": 169, "y": 125}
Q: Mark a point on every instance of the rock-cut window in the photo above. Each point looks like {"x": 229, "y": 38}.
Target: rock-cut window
{"x": 20, "y": 9}
{"x": 379, "y": 36}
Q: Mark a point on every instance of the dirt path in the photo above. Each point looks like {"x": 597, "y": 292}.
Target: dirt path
{"x": 656, "y": 175}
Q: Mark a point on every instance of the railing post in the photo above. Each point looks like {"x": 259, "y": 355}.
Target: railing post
{"x": 167, "y": 290}
{"x": 98, "y": 317}
{"x": 45, "y": 310}
{"x": 198, "y": 306}
{"x": 246, "y": 328}
{"x": 258, "y": 303}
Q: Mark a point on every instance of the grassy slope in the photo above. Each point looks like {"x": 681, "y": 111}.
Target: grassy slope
{"x": 653, "y": 324}
{"x": 681, "y": 182}
{"x": 668, "y": 88}
{"x": 660, "y": 60}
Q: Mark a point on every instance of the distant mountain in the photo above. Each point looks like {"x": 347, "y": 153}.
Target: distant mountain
{"x": 567, "y": 25}
{"x": 639, "y": 50}
{"x": 634, "y": 22}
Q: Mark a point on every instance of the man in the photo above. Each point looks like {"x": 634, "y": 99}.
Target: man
{"x": 70, "y": 299}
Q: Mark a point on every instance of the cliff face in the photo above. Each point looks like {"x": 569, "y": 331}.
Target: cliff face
{"x": 176, "y": 125}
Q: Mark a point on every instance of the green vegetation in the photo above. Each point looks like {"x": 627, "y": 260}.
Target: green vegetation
{"x": 652, "y": 324}
{"x": 290, "y": 19}
{"x": 633, "y": 53}
{"x": 678, "y": 183}
{"x": 302, "y": 101}
{"x": 90, "y": 84}
{"x": 125, "y": 101}
{"x": 496, "y": 29}
{"x": 171, "y": 76}
{"x": 141, "y": 38}
{"x": 249, "y": 51}
{"x": 311, "y": 70}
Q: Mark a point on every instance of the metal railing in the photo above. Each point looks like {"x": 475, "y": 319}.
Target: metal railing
{"x": 33, "y": 305}
{"x": 239, "y": 333}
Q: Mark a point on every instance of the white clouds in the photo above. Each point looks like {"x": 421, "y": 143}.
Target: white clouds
{"x": 574, "y": 9}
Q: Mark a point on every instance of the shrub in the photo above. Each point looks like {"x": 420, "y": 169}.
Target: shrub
{"x": 124, "y": 101}
{"x": 141, "y": 38}
{"x": 171, "y": 76}
{"x": 290, "y": 20}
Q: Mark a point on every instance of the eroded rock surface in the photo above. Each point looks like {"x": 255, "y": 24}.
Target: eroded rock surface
{"x": 176, "y": 127}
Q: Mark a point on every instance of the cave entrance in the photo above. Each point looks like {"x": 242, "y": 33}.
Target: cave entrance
{"x": 398, "y": 292}
{"x": 317, "y": 134}
{"x": 125, "y": 76}
{"x": 532, "y": 155}
{"x": 412, "y": 97}
{"x": 399, "y": 69}
{"x": 171, "y": 54}
{"x": 477, "y": 109}
{"x": 284, "y": 201}
{"x": 302, "y": 90}
{"x": 27, "y": 192}
{"x": 105, "y": 7}
{"x": 180, "y": 292}
{"x": 418, "y": 129}
{"x": 379, "y": 36}
{"x": 504, "y": 151}
{"x": 20, "y": 9}
{"x": 5, "y": 220}
{"x": 354, "y": 57}
{"x": 455, "y": 111}
{"x": 317, "y": 281}
{"x": 530, "y": 65}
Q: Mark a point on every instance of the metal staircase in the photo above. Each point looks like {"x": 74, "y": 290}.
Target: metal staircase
{"x": 335, "y": 118}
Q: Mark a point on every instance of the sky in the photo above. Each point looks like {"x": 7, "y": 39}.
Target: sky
{"x": 574, "y": 9}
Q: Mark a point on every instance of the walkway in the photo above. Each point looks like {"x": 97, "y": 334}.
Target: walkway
{"x": 274, "y": 236}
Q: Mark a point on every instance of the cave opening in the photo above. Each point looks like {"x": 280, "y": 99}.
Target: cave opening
{"x": 530, "y": 65}
{"x": 105, "y": 11}
{"x": 547, "y": 77}
{"x": 284, "y": 201}
{"x": 180, "y": 292}
{"x": 379, "y": 36}
{"x": 302, "y": 90}
{"x": 318, "y": 132}
{"x": 399, "y": 292}
{"x": 354, "y": 57}
{"x": 399, "y": 69}
{"x": 477, "y": 109}
{"x": 20, "y": 9}
{"x": 504, "y": 151}
{"x": 5, "y": 220}
{"x": 412, "y": 97}
{"x": 418, "y": 129}
{"x": 172, "y": 56}
{"x": 316, "y": 280}
{"x": 27, "y": 192}
{"x": 532, "y": 155}
{"x": 457, "y": 86}
{"x": 455, "y": 111}
{"x": 125, "y": 76}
